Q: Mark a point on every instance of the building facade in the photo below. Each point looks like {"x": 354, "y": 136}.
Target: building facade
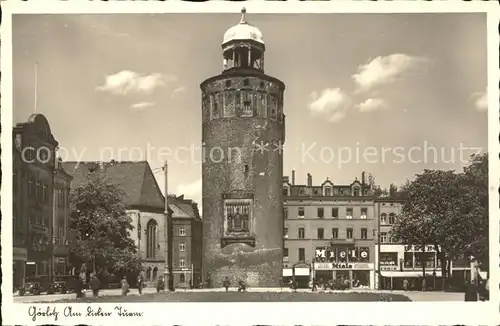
{"x": 329, "y": 232}
{"x": 186, "y": 243}
{"x": 399, "y": 262}
{"x": 40, "y": 216}
{"x": 145, "y": 205}
{"x": 243, "y": 131}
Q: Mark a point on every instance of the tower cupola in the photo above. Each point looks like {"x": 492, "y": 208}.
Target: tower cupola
{"x": 243, "y": 46}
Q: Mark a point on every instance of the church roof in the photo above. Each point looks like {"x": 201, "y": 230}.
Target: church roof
{"x": 135, "y": 179}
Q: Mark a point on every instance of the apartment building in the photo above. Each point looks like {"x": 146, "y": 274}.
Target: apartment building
{"x": 329, "y": 231}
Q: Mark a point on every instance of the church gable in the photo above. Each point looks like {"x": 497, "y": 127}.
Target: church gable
{"x": 150, "y": 191}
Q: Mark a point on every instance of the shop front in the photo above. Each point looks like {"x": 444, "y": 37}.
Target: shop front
{"x": 301, "y": 273}
{"x": 357, "y": 275}
{"x": 19, "y": 257}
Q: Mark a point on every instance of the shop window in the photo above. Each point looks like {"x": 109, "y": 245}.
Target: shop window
{"x": 408, "y": 260}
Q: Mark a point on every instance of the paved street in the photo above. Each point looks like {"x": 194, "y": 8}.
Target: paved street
{"x": 253, "y": 295}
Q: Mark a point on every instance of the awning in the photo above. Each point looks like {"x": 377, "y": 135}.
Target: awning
{"x": 408, "y": 273}
{"x": 301, "y": 271}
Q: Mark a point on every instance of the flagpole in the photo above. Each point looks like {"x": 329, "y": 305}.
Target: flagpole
{"x": 36, "y": 88}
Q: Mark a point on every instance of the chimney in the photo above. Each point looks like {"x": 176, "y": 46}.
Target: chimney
{"x": 293, "y": 177}
{"x": 309, "y": 180}
{"x": 363, "y": 178}
{"x": 286, "y": 179}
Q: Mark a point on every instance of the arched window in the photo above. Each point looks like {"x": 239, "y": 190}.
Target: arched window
{"x": 392, "y": 217}
{"x": 151, "y": 230}
{"x": 155, "y": 273}
{"x": 383, "y": 218}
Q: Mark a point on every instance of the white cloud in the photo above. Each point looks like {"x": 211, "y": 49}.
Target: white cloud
{"x": 383, "y": 70}
{"x": 332, "y": 103}
{"x": 142, "y": 105}
{"x": 481, "y": 102}
{"x": 178, "y": 90}
{"x": 126, "y": 82}
{"x": 372, "y": 104}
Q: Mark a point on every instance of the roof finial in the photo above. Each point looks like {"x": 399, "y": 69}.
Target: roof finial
{"x": 243, "y": 16}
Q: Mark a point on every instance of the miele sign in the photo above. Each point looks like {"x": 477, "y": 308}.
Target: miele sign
{"x": 343, "y": 266}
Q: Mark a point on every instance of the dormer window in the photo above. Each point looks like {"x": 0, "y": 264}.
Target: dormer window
{"x": 356, "y": 192}
{"x": 301, "y": 191}
{"x": 285, "y": 191}
{"x": 328, "y": 191}
{"x": 315, "y": 191}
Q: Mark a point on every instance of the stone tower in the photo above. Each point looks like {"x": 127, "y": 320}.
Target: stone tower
{"x": 243, "y": 132}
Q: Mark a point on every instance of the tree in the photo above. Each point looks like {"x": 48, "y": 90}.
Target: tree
{"x": 377, "y": 190}
{"x": 448, "y": 210}
{"x": 425, "y": 218}
{"x": 101, "y": 227}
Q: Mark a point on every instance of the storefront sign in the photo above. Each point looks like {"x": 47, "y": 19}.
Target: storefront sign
{"x": 430, "y": 248}
{"x": 343, "y": 266}
{"x": 388, "y": 268}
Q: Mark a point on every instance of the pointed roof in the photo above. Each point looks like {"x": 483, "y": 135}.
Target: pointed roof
{"x": 135, "y": 179}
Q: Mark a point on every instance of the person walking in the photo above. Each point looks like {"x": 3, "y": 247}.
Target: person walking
{"x": 95, "y": 284}
{"x": 405, "y": 284}
{"x": 226, "y": 283}
{"x": 124, "y": 286}
{"x": 160, "y": 286}
{"x": 78, "y": 287}
{"x": 424, "y": 285}
{"x": 140, "y": 282}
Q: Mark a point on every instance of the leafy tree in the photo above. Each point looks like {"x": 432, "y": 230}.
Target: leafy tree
{"x": 101, "y": 228}
{"x": 447, "y": 210}
{"x": 377, "y": 190}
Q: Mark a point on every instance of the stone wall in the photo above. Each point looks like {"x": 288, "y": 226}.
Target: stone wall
{"x": 235, "y": 164}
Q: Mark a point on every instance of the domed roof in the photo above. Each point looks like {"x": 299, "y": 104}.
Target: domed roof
{"x": 243, "y": 31}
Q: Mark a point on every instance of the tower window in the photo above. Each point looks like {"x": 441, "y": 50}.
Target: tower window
{"x": 246, "y": 171}
{"x": 262, "y": 84}
{"x": 228, "y": 83}
{"x": 246, "y": 82}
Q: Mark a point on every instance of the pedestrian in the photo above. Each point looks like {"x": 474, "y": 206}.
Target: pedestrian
{"x": 424, "y": 285}
{"x": 78, "y": 287}
{"x": 470, "y": 291}
{"x": 226, "y": 283}
{"x": 124, "y": 286}
{"x": 95, "y": 284}
{"x": 140, "y": 283}
{"x": 160, "y": 286}
{"x": 241, "y": 286}
{"x": 405, "y": 284}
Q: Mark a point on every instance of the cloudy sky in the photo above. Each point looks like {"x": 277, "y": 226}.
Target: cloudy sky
{"x": 376, "y": 91}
